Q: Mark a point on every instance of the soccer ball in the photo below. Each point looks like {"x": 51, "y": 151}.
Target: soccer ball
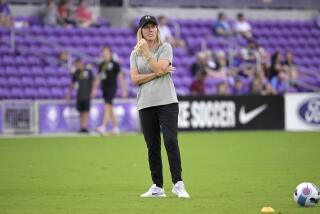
{"x": 307, "y": 195}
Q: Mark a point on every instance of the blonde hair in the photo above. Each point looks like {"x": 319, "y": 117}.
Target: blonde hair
{"x": 158, "y": 38}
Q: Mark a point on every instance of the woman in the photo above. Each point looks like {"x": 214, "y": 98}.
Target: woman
{"x": 150, "y": 68}
{"x": 290, "y": 68}
{"x": 65, "y": 13}
{"x": 276, "y": 64}
{"x": 50, "y": 13}
{"x": 109, "y": 72}
{"x": 83, "y": 15}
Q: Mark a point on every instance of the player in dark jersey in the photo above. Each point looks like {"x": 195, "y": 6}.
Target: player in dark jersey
{"x": 109, "y": 72}
{"x": 82, "y": 79}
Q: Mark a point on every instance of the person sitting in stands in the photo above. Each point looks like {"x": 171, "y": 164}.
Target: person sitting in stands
{"x": 222, "y": 27}
{"x": 238, "y": 88}
{"x": 65, "y": 16}
{"x": 276, "y": 65}
{"x": 223, "y": 89}
{"x": 204, "y": 63}
{"x": 5, "y": 14}
{"x": 279, "y": 82}
{"x": 50, "y": 13}
{"x": 197, "y": 86}
{"x": 242, "y": 27}
{"x": 290, "y": 67}
{"x": 166, "y": 35}
{"x": 84, "y": 16}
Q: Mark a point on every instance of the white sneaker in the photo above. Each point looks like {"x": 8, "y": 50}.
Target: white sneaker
{"x": 180, "y": 190}
{"x": 101, "y": 130}
{"x": 154, "y": 191}
{"x": 116, "y": 131}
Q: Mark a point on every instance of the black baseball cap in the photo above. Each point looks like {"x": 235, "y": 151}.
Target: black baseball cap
{"x": 147, "y": 19}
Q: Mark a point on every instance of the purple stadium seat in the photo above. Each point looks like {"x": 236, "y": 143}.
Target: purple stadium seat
{"x": 27, "y": 81}
{"x": 213, "y": 82}
{"x": 53, "y": 81}
{"x": 183, "y": 91}
{"x": 49, "y": 71}
{"x": 103, "y": 22}
{"x": 71, "y": 31}
{"x": 65, "y": 81}
{"x": 24, "y": 71}
{"x": 36, "y": 71}
{"x": 62, "y": 71}
{"x": 32, "y": 60}
{"x": 210, "y": 89}
{"x": 11, "y": 71}
{"x": 4, "y": 31}
{"x": 186, "y": 80}
{"x": 103, "y": 31}
{"x": 8, "y": 60}
{"x": 36, "y": 30}
{"x": 43, "y": 92}
{"x": 16, "y": 93}
{"x": 57, "y": 92}
{"x": 178, "y": 52}
{"x": 3, "y": 82}
{"x": 40, "y": 81}
{"x": 46, "y": 50}
{"x": 4, "y": 50}
{"x": 30, "y": 93}
{"x": 14, "y": 81}
{"x": 4, "y": 93}
{"x": 186, "y": 62}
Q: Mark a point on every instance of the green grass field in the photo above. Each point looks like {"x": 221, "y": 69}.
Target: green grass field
{"x": 225, "y": 173}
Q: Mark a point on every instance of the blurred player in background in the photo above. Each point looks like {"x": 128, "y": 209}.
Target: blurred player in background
{"x": 150, "y": 68}
{"x": 109, "y": 72}
{"x": 82, "y": 79}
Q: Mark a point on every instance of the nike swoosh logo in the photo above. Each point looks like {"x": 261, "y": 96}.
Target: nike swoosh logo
{"x": 245, "y": 118}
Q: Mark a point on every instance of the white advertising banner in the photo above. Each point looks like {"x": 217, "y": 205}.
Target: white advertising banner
{"x": 302, "y": 112}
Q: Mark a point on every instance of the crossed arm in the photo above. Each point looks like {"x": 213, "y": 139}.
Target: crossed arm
{"x": 158, "y": 68}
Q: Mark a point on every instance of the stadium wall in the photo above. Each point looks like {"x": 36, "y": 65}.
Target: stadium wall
{"x": 302, "y": 112}
{"x": 291, "y": 112}
{"x": 231, "y": 113}
{"x": 61, "y": 116}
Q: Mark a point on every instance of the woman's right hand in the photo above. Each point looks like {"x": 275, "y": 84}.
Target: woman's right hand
{"x": 170, "y": 69}
{"x": 141, "y": 46}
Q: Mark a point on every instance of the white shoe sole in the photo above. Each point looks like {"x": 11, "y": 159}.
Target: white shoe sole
{"x": 153, "y": 196}
{"x": 100, "y": 132}
{"x": 177, "y": 194}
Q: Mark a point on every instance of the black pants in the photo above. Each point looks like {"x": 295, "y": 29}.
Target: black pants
{"x": 165, "y": 118}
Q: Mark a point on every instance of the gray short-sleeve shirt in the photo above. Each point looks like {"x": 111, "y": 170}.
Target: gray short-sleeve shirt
{"x": 159, "y": 91}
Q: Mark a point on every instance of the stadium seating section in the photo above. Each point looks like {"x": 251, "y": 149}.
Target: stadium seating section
{"x": 32, "y": 71}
